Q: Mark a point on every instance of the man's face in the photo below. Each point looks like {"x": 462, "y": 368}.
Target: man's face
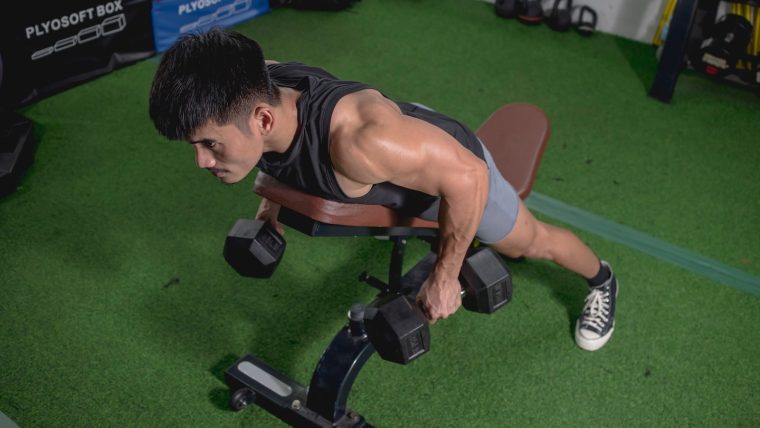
{"x": 226, "y": 151}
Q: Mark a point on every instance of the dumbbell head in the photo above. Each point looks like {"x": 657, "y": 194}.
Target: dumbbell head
{"x": 486, "y": 281}
{"x": 397, "y": 328}
{"x": 253, "y": 248}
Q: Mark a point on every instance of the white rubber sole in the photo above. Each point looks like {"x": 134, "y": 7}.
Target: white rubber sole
{"x": 591, "y": 344}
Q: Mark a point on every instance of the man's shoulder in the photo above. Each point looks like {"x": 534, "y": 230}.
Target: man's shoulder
{"x": 291, "y": 69}
{"x": 367, "y": 106}
{"x": 361, "y": 114}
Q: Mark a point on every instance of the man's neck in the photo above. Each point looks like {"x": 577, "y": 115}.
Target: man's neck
{"x": 287, "y": 122}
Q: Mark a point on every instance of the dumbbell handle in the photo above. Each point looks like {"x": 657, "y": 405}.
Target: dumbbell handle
{"x": 463, "y": 294}
{"x": 382, "y": 286}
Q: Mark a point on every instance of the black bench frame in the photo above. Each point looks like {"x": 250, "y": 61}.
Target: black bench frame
{"x": 323, "y": 403}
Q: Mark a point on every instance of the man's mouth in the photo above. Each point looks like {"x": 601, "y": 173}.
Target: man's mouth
{"x": 219, "y": 173}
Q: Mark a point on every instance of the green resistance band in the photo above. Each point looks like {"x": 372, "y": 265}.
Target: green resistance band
{"x": 612, "y": 231}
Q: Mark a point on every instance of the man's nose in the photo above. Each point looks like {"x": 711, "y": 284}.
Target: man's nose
{"x": 203, "y": 157}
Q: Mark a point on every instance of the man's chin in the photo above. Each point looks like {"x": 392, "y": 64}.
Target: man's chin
{"x": 228, "y": 179}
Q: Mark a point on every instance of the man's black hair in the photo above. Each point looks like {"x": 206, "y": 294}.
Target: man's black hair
{"x": 214, "y": 76}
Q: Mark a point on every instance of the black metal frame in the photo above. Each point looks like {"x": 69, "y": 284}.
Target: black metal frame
{"x": 323, "y": 402}
{"x": 673, "y": 57}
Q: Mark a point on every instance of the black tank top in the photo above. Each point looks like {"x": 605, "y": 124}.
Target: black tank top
{"x": 306, "y": 165}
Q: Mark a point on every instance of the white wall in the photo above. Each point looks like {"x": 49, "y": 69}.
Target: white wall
{"x": 632, "y": 19}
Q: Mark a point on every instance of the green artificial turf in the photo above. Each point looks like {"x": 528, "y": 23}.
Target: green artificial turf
{"x": 117, "y": 308}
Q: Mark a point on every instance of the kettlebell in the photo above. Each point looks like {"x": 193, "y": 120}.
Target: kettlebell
{"x": 586, "y": 27}
{"x": 560, "y": 19}
{"x": 530, "y": 12}
{"x": 505, "y": 8}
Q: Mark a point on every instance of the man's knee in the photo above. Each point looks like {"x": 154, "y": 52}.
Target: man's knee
{"x": 527, "y": 239}
{"x": 539, "y": 246}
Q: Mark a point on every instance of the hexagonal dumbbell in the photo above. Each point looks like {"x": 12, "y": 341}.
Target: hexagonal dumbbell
{"x": 486, "y": 281}
{"x": 253, "y": 248}
{"x": 399, "y": 330}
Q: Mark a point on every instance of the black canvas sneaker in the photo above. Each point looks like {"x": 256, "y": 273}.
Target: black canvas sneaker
{"x": 597, "y": 322}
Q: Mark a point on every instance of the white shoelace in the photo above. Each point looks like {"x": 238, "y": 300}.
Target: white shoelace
{"x": 597, "y": 310}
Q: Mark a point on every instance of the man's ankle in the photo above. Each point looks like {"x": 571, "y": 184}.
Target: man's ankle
{"x": 601, "y": 277}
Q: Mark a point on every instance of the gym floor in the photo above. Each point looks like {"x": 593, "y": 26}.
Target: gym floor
{"x": 117, "y": 308}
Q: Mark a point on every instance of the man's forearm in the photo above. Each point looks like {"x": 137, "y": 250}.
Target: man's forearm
{"x": 458, "y": 220}
{"x": 269, "y": 211}
{"x": 266, "y": 206}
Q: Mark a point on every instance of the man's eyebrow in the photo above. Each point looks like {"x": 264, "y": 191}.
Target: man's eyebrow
{"x": 203, "y": 141}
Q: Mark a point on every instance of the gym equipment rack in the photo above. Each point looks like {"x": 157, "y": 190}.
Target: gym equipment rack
{"x": 691, "y": 19}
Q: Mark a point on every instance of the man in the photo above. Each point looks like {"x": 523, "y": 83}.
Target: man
{"x": 345, "y": 141}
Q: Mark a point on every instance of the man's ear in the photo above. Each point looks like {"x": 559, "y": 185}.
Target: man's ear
{"x": 262, "y": 119}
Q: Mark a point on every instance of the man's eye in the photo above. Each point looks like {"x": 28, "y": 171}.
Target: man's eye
{"x": 209, "y": 144}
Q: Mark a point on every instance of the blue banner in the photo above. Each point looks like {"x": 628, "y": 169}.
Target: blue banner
{"x": 173, "y": 18}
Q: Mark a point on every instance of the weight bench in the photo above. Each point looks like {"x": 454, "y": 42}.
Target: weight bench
{"x": 515, "y": 134}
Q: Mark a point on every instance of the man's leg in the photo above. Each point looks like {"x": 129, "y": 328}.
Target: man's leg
{"x": 532, "y": 238}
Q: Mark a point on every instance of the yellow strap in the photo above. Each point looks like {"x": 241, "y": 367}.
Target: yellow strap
{"x": 667, "y": 13}
{"x": 756, "y": 35}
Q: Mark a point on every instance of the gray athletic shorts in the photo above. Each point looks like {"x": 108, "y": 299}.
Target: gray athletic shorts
{"x": 501, "y": 209}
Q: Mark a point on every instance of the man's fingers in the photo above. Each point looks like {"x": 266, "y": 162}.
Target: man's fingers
{"x": 425, "y": 311}
{"x": 423, "y": 308}
{"x": 430, "y": 318}
{"x": 272, "y": 221}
